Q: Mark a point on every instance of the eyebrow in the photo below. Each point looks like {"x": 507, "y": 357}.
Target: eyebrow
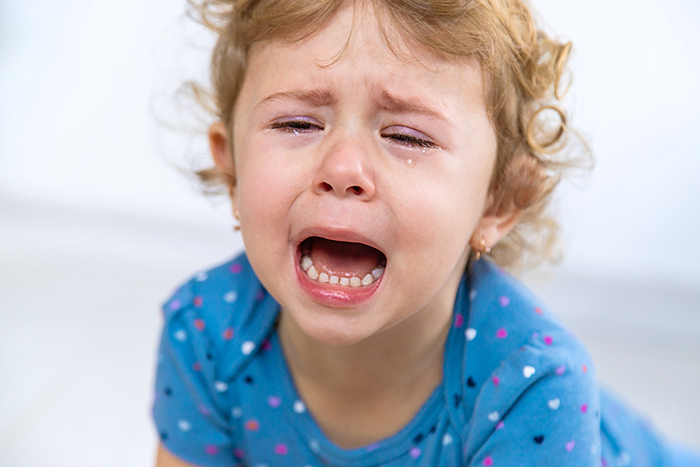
{"x": 397, "y": 105}
{"x": 312, "y": 97}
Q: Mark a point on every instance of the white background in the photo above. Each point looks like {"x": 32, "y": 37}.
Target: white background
{"x": 97, "y": 225}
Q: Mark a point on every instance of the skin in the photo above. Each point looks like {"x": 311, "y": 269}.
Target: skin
{"x": 363, "y": 370}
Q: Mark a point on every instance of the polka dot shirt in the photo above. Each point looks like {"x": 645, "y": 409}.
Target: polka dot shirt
{"x": 518, "y": 389}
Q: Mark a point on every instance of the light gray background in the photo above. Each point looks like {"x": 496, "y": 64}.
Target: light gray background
{"x": 97, "y": 226}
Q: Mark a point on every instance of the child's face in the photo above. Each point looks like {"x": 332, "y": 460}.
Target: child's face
{"x": 370, "y": 149}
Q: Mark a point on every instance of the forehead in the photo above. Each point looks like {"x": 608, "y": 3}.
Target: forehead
{"x": 361, "y": 38}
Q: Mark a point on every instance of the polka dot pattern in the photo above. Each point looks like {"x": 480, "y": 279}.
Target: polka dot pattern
{"x": 520, "y": 366}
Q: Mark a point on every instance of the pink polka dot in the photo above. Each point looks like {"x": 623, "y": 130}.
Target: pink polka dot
{"x": 211, "y": 450}
{"x": 197, "y": 301}
{"x": 548, "y": 340}
{"x": 539, "y": 311}
{"x": 236, "y": 268}
{"x": 584, "y": 368}
{"x": 488, "y": 462}
{"x": 199, "y": 324}
{"x": 281, "y": 449}
{"x": 459, "y": 321}
{"x": 496, "y": 381}
{"x": 267, "y": 346}
{"x": 415, "y": 453}
{"x": 197, "y": 366}
{"x": 239, "y": 453}
{"x": 503, "y": 300}
{"x": 228, "y": 334}
{"x": 584, "y": 408}
{"x": 502, "y": 333}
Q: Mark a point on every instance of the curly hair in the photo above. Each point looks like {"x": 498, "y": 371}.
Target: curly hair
{"x": 524, "y": 68}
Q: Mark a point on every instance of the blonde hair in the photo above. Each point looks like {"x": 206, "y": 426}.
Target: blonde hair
{"x": 524, "y": 66}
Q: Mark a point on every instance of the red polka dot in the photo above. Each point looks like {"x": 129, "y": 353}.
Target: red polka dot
{"x": 197, "y": 301}
{"x": 539, "y": 311}
{"x": 236, "y": 268}
{"x": 199, "y": 324}
{"x": 488, "y": 462}
{"x": 252, "y": 425}
{"x": 211, "y": 450}
{"x": 281, "y": 449}
{"x": 584, "y": 368}
{"x": 228, "y": 334}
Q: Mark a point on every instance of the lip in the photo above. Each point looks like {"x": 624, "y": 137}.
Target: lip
{"x": 335, "y": 296}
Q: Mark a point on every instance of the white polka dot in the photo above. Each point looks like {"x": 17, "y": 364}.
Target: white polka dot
{"x": 553, "y": 403}
{"x": 220, "y": 386}
{"x": 314, "y": 445}
{"x": 181, "y": 335}
{"x": 184, "y": 425}
{"x": 447, "y": 439}
{"x": 237, "y": 412}
{"x": 202, "y": 276}
{"x": 472, "y": 295}
{"x": 494, "y": 416}
{"x": 299, "y": 407}
{"x": 247, "y": 347}
{"x": 528, "y": 371}
{"x": 624, "y": 459}
{"x": 470, "y": 333}
{"x": 230, "y": 297}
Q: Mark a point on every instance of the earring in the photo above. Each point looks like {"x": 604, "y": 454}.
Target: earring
{"x": 237, "y": 225}
{"x": 483, "y": 249}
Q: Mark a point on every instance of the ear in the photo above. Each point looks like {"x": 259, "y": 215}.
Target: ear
{"x": 220, "y": 146}
{"x": 493, "y": 227}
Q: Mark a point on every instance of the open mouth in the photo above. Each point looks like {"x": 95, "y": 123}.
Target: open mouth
{"x": 344, "y": 264}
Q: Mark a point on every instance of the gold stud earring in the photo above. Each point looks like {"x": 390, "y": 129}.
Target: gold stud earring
{"x": 237, "y": 225}
{"x": 483, "y": 249}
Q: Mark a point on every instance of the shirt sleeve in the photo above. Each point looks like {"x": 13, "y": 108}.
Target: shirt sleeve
{"x": 189, "y": 409}
{"x": 540, "y": 408}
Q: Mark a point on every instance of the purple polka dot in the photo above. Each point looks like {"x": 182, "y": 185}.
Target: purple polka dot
{"x": 371, "y": 447}
{"x": 211, "y": 450}
{"x": 502, "y": 333}
{"x": 500, "y": 425}
{"x": 175, "y": 305}
{"x": 459, "y": 321}
{"x": 503, "y": 300}
{"x": 281, "y": 449}
{"x": 239, "y": 453}
{"x": 203, "y": 410}
{"x": 561, "y": 370}
{"x": 274, "y": 401}
{"x": 415, "y": 453}
{"x": 267, "y": 346}
{"x": 570, "y": 445}
{"x": 236, "y": 268}
{"x": 260, "y": 296}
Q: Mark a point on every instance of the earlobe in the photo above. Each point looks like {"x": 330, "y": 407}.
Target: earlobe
{"x": 493, "y": 228}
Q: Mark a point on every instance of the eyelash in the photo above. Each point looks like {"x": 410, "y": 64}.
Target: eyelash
{"x": 298, "y": 126}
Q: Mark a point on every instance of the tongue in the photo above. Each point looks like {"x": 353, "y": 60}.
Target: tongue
{"x": 344, "y": 259}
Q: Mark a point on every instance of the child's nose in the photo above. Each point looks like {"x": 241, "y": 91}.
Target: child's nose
{"x": 346, "y": 172}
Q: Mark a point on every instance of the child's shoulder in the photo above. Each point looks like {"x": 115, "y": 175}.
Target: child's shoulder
{"x": 224, "y": 310}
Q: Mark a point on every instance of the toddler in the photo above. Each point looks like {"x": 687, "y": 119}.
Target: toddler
{"x": 383, "y": 159}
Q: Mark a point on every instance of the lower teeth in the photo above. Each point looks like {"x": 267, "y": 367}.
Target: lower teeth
{"x": 308, "y": 266}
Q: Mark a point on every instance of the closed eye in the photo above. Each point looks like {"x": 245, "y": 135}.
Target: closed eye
{"x": 408, "y": 137}
{"x": 296, "y": 126}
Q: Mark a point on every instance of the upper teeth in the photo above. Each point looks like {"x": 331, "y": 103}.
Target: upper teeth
{"x": 353, "y": 281}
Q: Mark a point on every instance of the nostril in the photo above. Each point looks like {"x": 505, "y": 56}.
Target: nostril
{"x": 356, "y": 189}
{"x": 326, "y": 187}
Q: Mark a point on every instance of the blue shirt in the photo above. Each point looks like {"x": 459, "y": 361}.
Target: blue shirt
{"x": 518, "y": 388}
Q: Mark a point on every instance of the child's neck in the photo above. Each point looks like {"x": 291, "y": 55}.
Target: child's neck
{"x": 368, "y": 391}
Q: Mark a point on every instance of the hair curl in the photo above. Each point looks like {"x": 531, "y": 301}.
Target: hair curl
{"x": 524, "y": 67}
